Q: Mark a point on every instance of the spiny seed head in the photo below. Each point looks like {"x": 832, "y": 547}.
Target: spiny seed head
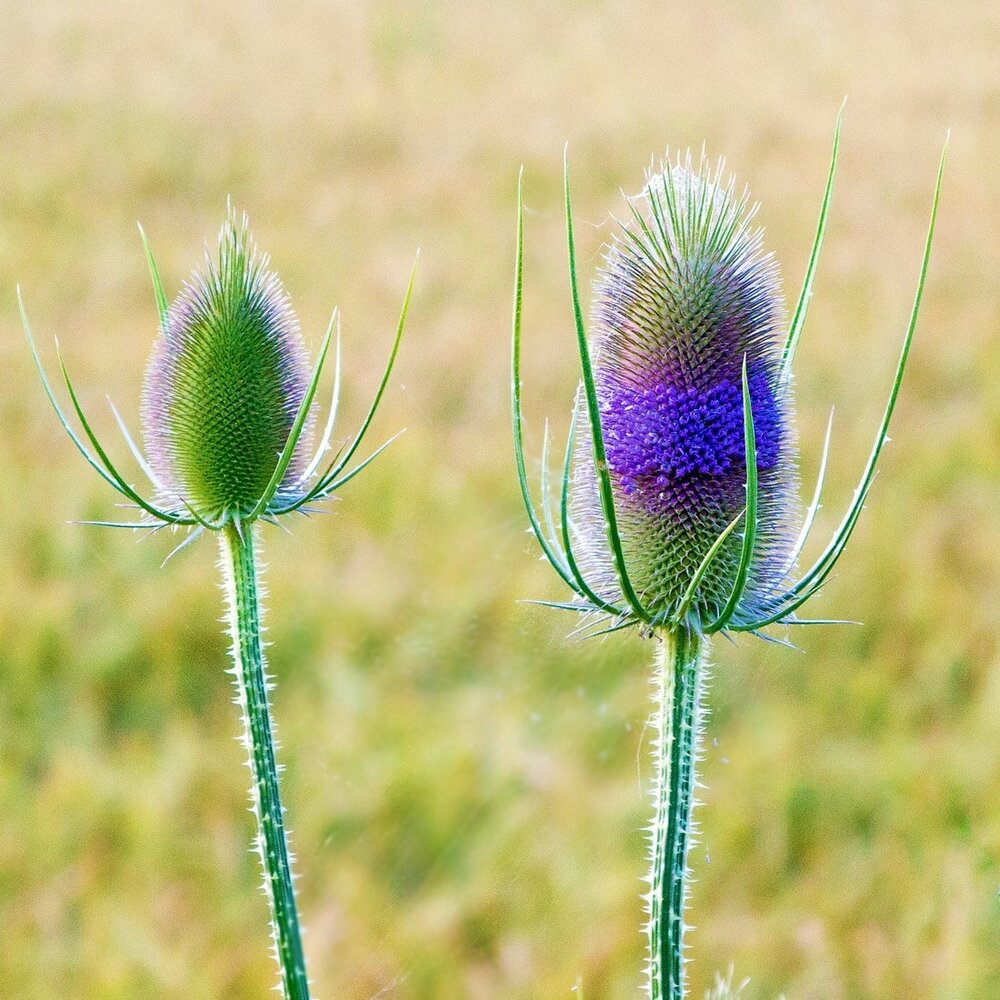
{"x": 225, "y": 381}
{"x": 686, "y": 293}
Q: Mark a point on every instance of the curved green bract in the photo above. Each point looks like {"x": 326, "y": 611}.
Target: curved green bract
{"x": 605, "y": 489}
{"x": 750, "y": 517}
{"x": 333, "y": 477}
{"x": 162, "y": 308}
{"x": 567, "y": 534}
{"x": 814, "y": 504}
{"x": 684, "y": 606}
{"x": 331, "y": 419}
{"x": 295, "y": 433}
{"x": 116, "y": 478}
{"x": 802, "y": 305}
{"x": 811, "y": 581}
{"x": 556, "y": 559}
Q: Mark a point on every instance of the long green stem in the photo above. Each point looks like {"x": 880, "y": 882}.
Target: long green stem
{"x": 678, "y": 681}
{"x": 250, "y": 671}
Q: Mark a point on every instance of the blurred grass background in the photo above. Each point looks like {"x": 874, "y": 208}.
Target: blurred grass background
{"x": 466, "y": 784}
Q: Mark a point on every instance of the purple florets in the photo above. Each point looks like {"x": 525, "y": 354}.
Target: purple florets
{"x": 660, "y": 433}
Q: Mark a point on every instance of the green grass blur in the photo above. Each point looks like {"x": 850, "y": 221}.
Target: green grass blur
{"x": 465, "y": 783}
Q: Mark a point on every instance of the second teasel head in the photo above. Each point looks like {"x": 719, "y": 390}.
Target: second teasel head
{"x": 686, "y": 301}
{"x": 677, "y": 508}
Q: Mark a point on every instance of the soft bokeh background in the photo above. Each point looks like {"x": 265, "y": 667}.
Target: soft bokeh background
{"x": 465, "y": 783}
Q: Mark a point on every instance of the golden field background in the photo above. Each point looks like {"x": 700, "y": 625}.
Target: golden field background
{"x": 465, "y": 783}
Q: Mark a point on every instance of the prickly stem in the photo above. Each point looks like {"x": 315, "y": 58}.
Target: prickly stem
{"x": 677, "y": 684}
{"x": 243, "y": 591}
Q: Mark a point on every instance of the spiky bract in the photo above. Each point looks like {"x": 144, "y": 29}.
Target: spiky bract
{"x": 686, "y": 293}
{"x": 225, "y": 382}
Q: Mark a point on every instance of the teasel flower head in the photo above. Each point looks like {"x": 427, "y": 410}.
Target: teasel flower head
{"x": 225, "y": 383}
{"x": 677, "y": 505}
{"x": 687, "y": 308}
{"x": 227, "y": 407}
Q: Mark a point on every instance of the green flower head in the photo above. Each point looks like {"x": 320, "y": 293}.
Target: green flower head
{"x": 227, "y": 413}
{"x": 225, "y": 383}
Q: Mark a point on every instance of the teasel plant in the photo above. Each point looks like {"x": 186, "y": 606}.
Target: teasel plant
{"x": 228, "y": 425}
{"x": 676, "y": 512}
